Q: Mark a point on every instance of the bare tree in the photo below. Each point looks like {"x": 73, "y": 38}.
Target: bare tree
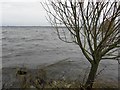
{"x": 93, "y": 26}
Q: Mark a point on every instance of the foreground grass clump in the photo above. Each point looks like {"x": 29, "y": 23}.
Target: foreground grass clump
{"x": 41, "y": 80}
{"x": 58, "y": 84}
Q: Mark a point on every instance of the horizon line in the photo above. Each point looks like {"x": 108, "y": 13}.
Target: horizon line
{"x": 30, "y": 25}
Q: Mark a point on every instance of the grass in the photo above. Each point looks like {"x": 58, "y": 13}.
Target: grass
{"x": 41, "y": 81}
{"x": 41, "y": 78}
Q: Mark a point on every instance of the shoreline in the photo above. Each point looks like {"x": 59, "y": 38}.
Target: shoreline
{"x": 65, "y": 69}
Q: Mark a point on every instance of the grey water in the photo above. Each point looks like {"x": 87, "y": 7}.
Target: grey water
{"x": 32, "y": 46}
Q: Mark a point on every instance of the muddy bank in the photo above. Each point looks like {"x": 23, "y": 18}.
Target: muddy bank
{"x": 62, "y": 70}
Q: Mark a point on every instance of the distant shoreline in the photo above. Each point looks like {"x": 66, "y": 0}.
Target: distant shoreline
{"x": 35, "y": 26}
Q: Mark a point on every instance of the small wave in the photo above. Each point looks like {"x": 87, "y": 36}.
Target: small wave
{"x": 3, "y": 32}
{"x": 35, "y": 40}
{"x": 7, "y": 56}
{"x": 17, "y": 55}
{"x": 4, "y": 38}
{"x": 23, "y": 38}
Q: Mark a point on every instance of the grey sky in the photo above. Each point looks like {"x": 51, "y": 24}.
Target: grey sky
{"x": 23, "y": 13}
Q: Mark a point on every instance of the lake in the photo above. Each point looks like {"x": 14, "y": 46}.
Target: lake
{"x": 32, "y": 46}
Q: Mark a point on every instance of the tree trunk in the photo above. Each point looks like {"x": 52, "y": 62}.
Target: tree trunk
{"x": 92, "y": 74}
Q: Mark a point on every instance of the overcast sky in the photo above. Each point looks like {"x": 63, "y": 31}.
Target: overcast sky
{"x": 22, "y": 12}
